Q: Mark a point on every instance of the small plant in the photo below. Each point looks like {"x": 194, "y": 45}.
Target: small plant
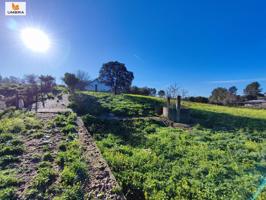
{"x": 8, "y": 194}
{"x": 69, "y": 128}
{"x": 36, "y": 158}
{"x": 48, "y": 157}
{"x": 38, "y": 135}
{"x": 4, "y": 137}
{"x": 7, "y": 160}
{"x": 11, "y": 150}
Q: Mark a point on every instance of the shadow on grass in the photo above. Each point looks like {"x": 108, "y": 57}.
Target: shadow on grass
{"x": 222, "y": 121}
{"x": 131, "y": 132}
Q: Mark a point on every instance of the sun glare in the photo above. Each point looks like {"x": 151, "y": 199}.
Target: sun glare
{"x": 35, "y": 39}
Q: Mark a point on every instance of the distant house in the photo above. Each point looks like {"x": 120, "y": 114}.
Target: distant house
{"x": 260, "y": 103}
{"x": 96, "y": 85}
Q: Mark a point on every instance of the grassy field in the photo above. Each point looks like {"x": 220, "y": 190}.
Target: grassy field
{"x": 221, "y": 157}
{"x": 40, "y": 159}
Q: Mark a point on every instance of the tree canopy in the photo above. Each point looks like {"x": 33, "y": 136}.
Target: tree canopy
{"x": 161, "y": 93}
{"x": 71, "y": 81}
{"x": 116, "y": 75}
{"x": 253, "y": 90}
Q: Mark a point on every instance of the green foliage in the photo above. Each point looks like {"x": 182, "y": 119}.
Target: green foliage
{"x": 7, "y": 180}
{"x": 74, "y": 171}
{"x": 74, "y": 192}
{"x": 85, "y": 104}
{"x": 199, "y": 164}
{"x": 222, "y": 157}
{"x": 42, "y": 181}
{"x": 116, "y": 75}
{"x": 38, "y": 135}
{"x": 10, "y": 150}
{"x": 8, "y": 194}
{"x": 122, "y": 105}
{"x": 48, "y": 157}
{"x": 71, "y": 81}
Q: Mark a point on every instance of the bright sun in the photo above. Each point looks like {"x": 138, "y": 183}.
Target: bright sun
{"x": 35, "y": 39}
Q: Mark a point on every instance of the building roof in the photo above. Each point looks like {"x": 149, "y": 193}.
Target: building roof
{"x": 255, "y": 101}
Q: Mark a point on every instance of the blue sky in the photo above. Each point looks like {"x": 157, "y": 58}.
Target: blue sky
{"x": 197, "y": 44}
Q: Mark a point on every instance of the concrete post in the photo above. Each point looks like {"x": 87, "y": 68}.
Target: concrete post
{"x": 168, "y": 102}
{"x": 36, "y": 107}
{"x": 178, "y": 108}
{"x": 17, "y": 106}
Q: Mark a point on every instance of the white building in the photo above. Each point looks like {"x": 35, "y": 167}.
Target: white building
{"x": 260, "y": 103}
{"x": 96, "y": 85}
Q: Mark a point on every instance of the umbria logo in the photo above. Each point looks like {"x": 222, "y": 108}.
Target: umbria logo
{"x": 15, "y": 8}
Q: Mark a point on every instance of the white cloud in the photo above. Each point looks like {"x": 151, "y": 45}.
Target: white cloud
{"x": 236, "y": 81}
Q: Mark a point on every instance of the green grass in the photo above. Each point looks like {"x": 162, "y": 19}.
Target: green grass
{"x": 73, "y": 168}
{"x": 121, "y": 105}
{"x": 13, "y": 124}
{"x": 60, "y": 174}
{"x": 221, "y": 157}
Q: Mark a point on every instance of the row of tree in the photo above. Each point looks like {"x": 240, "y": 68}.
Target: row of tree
{"x": 229, "y": 96}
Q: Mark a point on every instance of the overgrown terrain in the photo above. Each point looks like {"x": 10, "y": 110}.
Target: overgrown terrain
{"x": 221, "y": 157}
{"x": 40, "y": 158}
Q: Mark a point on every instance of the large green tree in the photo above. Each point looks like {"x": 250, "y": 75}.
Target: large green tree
{"x": 116, "y": 75}
{"x": 219, "y": 96}
{"x": 252, "y": 90}
{"x": 161, "y": 93}
{"x": 71, "y": 81}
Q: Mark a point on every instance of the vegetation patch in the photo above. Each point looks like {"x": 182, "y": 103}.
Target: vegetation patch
{"x": 221, "y": 157}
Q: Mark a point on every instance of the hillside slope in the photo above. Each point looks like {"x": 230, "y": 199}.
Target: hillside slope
{"x": 221, "y": 157}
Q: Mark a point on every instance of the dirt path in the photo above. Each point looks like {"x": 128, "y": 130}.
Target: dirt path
{"x": 34, "y": 150}
{"x": 101, "y": 183}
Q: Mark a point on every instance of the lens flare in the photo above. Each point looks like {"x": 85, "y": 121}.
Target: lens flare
{"x": 35, "y": 39}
